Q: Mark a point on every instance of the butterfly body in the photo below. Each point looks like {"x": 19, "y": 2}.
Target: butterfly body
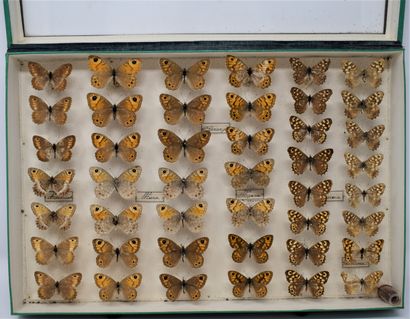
{"x": 314, "y": 284}
{"x": 66, "y": 287}
{"x": 191, "y": 286}
{"x": 257, "y": 282}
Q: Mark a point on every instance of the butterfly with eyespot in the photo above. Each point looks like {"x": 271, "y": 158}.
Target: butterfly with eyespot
{"x": 317, "y": 222}
{"x": 369, "y": 224}
{"x": 190, "y": 185}
{"x": 173, "y": 252}
{"x": 241, "y": 74}
{"x": 260, "y": 109}
{"x": 242, "y": 176}
{"x": 373, "y": 194}
{"x": 367, "y": 285}
{"x": 103, "y": 109}
{"x": 42, "y": 112}
{"x": 64, "y": 251}
{"x": 57, "y": 78}
{"x": 126, "y": 221}
{"x": 258, "y": 213}
{"x": 127, "y": 286}
{"x": 370, "y": 75}
{"x": 353, "y": 252}
{"x": 302, "y": 194}
{"x": 43, "y": 183}
{"x": 45, "y": 217}
{"x": 174, "y": 286}
{"x": 317, "y": 100}
{"x": 369, "y": 106}
{"x": 303, "y": 74}
{"x": 124, "y": 185}
{"x": 60, "y": 150}
{"x": 242, "y": 248}
{"x": 316, "y": 253}
{"x": 315, "y": 284}
{"x": 125, "y": 148}
{"x": 258, "y": 283}
{"x": 257, "y": 142}
{"x": 175, "y": 75}
{"x": 301, "y": 161}
{"x": 106, "y": 252}
{"x": 357, "y": 135}
{"x": 124, "y": 75}
{"x": 174, "y": 220}
{"x": 317, "y": 131}
{"x": 369, "y": 166}
{"x": 66, "y": 287}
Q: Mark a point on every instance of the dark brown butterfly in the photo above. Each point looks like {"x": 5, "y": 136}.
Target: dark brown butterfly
{"x": 303, "y": 74}
{"x": 316, "y": 253}
{"x": 316, "y": 283}
{"x": 301, "y": 161}
{"x": 56, "y": 78}
{"x": 319, "y": 192}
{"x": 316, "y": 131}
{"x": 242, "y": 248}
{"x": 317, "y": 222}
{"x": 317, "y": 100}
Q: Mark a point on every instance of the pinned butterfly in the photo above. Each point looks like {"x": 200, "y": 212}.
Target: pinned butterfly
{"x": 43, "y": 112}
{"x": 317, "y": 131}
{"x": 125, "y": 148}
{"x": 127, "y": 287}
{"x": 65, "y": 287}
{"x": 242, "y": 248}
{"x": 44, "y": 184}
{"x": 126, "y": 252}
{"x": 45, "y": 217}
{"x": 371, "y": 75}
{"x": 60, "y": 150}
{"x": 260, "y": 109}
{"x": 303, "y": 74}
{"x": 175, "y": 286}
{"x": 301, "y": 161}
{"x": 258, "y": 213}
{"x": 57, "y": 79}
{"x": 258, "y": 283}
{"x": 317, "y": 100}
{"x": 45, "y": 251}
{"x": 257, "y": 142}
{"x": 243, "y": 176}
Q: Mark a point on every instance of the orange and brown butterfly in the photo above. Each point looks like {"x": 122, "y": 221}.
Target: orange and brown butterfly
{"x": 317, "y": 100}
{"x": 370, "y": 166}
{"x": 315, "y": 284}
{"x": 43, "y": 112}
{"x": 174, "y": 286}
{"x": 258, "y": 283}
{"x": 371, "y": 75}
{"x": 318, "y": 193}
{"x": 354, "y": 285}
{"x": 242, "y": 248}
{"x": 242, "y": 176}
{"x": 60, "y": 150}
{"x": 368, "y": 106}
{"x": 369, "y": 224}
{"x": 45, "y": 217}
{"x": 353, "y": 253}
{"x": 57, "y": 78}
{"x": 126, "y": 252}
{"x": 63, "y": 251}
{"x": 303, "y": 74}
{"x": 316, "y": 253}
{"x": 258, "y": 212}
{"x": 43, "y": 183}
{"x": 260, "y": 109}
{"x": 175, "y": 75}
{"x": 127, "y": 286}
{"x": 66, "y": 287}
{"x": 106, "y": 148}
{"x": 358, "y": 136}
{"x": 243, "y": 75}
{"x": 124, "y": 75}
{"x": 372, "y": 194}
{"x": 301, "y": 161}
{"x": 257, "y": 142}
{"x": 317, "y": 222}
{"x": 124, "y": 111}
{"x": 173, "y": 252}
{"x": 126, "y": 221}
{"x": 317, "y": 131}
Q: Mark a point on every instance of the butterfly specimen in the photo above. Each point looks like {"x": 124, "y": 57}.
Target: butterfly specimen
{"x": 127, "y": 286}
{"x": 258, "y": 213}
{"x": 106, "y": 148}
{"x": 303, "y": 74}
{"x": 301, "y": 161}
{"x": 66, "y": 287}
{"x": 43, "y": 183}
{"x": 257, "y": 142}
{"x": 42, "y": 112}
{"x": 174, "y": 220}
{"x": 194, "y": 110}
{"x": 370, "y": 75}
{"x": 316, "y": 253}
{"x": 173, "y": 252}
{"x": 357, "y": 135}
{"x": 64, "y": 251}
{"x": 354, "y": 253}
{"x": 124, "y": 75}
{"x": 191, "y": 148}
{"x": 124, "y": 111}
{"x": 61, "y": 150}
{"x": 106, "y": 252}
{"x": 317, "y": 100}
{"x": 369, "y": 106}
{"x": 373, "y": 194}
{"x": 260, "y": 109}
{"x": 174, "y": 286}
{"x": 369, "y": 224}
{"x": 190, "y": 185}
{"x": 369, "y": 166}
{"x": 126, "y": 221}
{"x": 316, "y": 283}
{"x": 317, "y": 131}
{"x": 241, "y": 74}
{"x": 257, "y": 282}
{"x": 124, "y": 185}
{"x": 175, "y": 75}
{"x": 241, "y": 175}
{"x": 45, "y": 217}
{"x": 317, "y": 222}
{"x": 57, "y": 78}
{"x": 302, "y": 194}
{"x": 367, "y": 285}
{"x": 242, "y": 248}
